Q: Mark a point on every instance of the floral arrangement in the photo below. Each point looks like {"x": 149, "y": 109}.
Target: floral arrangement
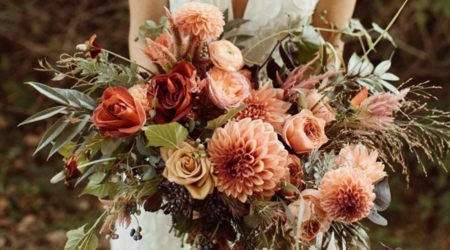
{"x": 279, "y": 156}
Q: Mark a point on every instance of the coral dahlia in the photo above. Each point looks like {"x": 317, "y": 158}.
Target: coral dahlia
{"x": 200, "y": 19}
{"x": 248, "y": 159}
{"x": 346, "y": 194}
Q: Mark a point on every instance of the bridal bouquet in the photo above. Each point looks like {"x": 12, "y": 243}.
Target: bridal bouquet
{"x": 289, "y": 154}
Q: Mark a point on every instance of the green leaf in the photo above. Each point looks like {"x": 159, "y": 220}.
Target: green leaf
{"x": 219, "y": 121}
{"x": 149, "y": 188}
{"x": 389, "y": 86}
{"x": 385, "y": 34}
{"x": 354, "y": 65}
{"x": 382, "y": 68}
{"x": 167, "y": 135}
{"x": 79, "y": 240}
{"x": 366, "y": 68}
{"x": 110, "y": 144}
{"x": 69, "y": 133}
{"x": 234, "y": 24}
{"x": 54, "y": 131}
{"x": 308, "y": 45}
{"x": 96, "y": 187}
{"x": 289, "y": 186}
{"x": 67, "y": 149}
{"x": 389, "y": 77}
{"x": 77, "y": 99}
{"x": 43, "y": 115}
{"x": 49, "y": 92}
{"x": 239, "y": 38}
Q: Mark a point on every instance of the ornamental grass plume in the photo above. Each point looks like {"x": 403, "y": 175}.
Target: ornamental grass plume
{"x": 248, "y": 159}
{"x": 200, "y": 19}
{"x": 358, "y": 156}
{"x": 264, "y": 104}
{"x": 346, "y": 194}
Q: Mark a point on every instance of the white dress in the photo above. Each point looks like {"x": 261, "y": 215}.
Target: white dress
{"x": 266, "y": 17}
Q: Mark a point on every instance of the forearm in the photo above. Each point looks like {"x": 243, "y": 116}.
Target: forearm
{"x": 338, "y": 14}
{"x": 141, "y": 11}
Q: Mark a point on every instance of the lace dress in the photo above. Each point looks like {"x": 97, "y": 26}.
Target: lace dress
{"x": 267, "y": 17}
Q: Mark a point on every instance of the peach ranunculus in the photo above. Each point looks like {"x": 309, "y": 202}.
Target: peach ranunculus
{"x": 190, "y": 168}
{"x": 227, "y": 89}
{"x": 314, "y": 220}
{"x": 304, "y": 132}
{"x": 358, "y": 156}
{"x": 321, "y": 107}
{"x": 225, "y": 55}
{"x": 173, "y": 92}
{"x": 119, "y": 114}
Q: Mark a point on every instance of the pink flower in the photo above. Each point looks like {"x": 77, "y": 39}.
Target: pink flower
{"x": 320, "y": 104}
{"x": 346, "y": 194}
{"x": 200, "y": 19}
{"x": 225, "y": 55}
{"x": 165, "y": 40}
{"x": 264, "y": 104}
{"x": 227, "y": 89}
{"x": 304, "y": 132}
{"x": 358, "y": 156}
{"x": 248, "y": 159}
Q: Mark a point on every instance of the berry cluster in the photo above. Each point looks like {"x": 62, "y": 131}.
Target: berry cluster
{"x": 136, "y": 234}
{"x": 178, "y": 200}
{"x": 205, "y": 241}
{"x": 213, "y": 208}
{"x": 132, "y": 208}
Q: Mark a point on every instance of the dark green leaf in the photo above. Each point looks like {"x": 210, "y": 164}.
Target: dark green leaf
{"x": 234, "y": 24}
{"x": 239, "y": 38}
{"x": 141, "y": 146}
{"x": 96, "y": 187}
{"x": 43, "y": 114}
{"x": 289, "y": 186}
{"x": 308, "y": 45}
{"x": 49, "y": 92}
{"x": 184, "y": 225}
{"x": 149, "y": 187}
{"x": 216, "y": 123}
{"x": 54, "y": 131}
{"x": 167, "y": 135}
{"x": 77, "y": 99}
{"x": 69, "y": 133}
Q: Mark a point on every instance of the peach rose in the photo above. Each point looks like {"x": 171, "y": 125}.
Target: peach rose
{"x": 320, "y": 104}
{"x": 186, "y": 166}
{"x": 225, "y": 55}
{"x": 119, "y": 114}
{"x": 227, "y": 89}
{"x": 304, "y": 132}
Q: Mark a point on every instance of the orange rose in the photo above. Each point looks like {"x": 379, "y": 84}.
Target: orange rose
{"x": 321, "y": 107}
{"x": 304, "y": 132}
{"x": 173, "y": 91}
{"x": 227, "y": 89}
{"x": 119, "y": 114}
{"x": 225, "y": 55}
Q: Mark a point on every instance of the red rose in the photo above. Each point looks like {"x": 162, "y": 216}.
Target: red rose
{"x": 173, "y": 92}
{"x": 119, "y": 114}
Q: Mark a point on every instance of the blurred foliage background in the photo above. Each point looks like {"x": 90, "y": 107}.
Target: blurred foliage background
{"x": 35, "y": 215}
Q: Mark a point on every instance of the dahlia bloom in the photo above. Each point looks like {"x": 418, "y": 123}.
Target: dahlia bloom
{"x": 139, "y": 93}
{"x": 358, "y": 156}
{"x": 346, "y": 194}
{"x": 200, "y": 19}
{"x": 266, "y": 105}
{"x": 248, "y": 159}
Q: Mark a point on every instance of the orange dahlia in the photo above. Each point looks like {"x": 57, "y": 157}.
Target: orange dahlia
{"x": 200, "y": 19}
{"x": 266, "y": 104}
{"x": 248, "y": 159}
{"x": 346, "y": 194}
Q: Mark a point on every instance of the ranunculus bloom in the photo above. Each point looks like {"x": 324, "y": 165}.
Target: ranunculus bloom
{"x": 346, "y": 194}
{"x": 225, "y": 55}
{"x": 227, "y": 89}
{"x": 200, "y": 19}
{"x": 173, "y": 91}
{"x": 304, "y": 132}
{"x": 248, "y": 159}
{"x": 358, "y": 156}
{"x": 119, "y": 114}
{"x": 313, "y": 220}
{"x": 321, "y": 107}
{"x": 187, "y": 167}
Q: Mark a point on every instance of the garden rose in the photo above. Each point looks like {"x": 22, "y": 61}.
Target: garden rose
{"x": 225, "y": 55}
{"x": 321, "y": 107}
{"x": 119, "y": 114}
{"x": 227, "y": 89}
{"x": 186, "y": 166}
{"x": 173, "y": 92}
{"x": 304, "y": 132}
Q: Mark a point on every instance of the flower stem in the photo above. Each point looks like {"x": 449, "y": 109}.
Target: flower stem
{"x": 128, "y": 60}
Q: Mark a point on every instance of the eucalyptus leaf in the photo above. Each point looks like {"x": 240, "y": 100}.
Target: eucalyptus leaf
{"x": 49, "y": 92}
{"x": 44, "y": 114}
{"x": 72, "y": 130}
{"x": 383, "y": 194}
{"x": 389, "y": 77}
{"x": 377, "y": 218}
{"x": 386, "y": 35}
{"x": 77, "y": 98}
{"x": 54, "y": 131}
{"x": 167, "y": 135}
{"x": 354, "y": 64}
{"x": 382, "y": 68}
{"x": 234, "y": 24}
{"x": 216, "y": 123}
{"x": 389, "y": 86}
{"x": 366, "y": 68}
{"x": 149, "y": 187}
{"x": 79, "y": 240}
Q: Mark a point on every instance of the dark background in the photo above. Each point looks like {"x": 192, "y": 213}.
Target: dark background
{"x": 35, "y": 214}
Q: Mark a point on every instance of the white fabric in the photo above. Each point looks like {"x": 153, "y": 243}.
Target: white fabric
{"x": 266, "y": 18}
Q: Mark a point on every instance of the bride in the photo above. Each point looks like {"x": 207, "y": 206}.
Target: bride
{"x": 266, "y": 18}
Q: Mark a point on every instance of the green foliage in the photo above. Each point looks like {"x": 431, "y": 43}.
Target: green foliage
{"x": 97, "y": 187}
{"x": 218, "y": 122}
{"x": 79, "y": 240}
{"x": 308, "y": 45}
{"x": 167, "y": 135}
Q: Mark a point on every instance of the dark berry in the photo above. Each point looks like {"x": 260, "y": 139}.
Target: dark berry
{"x": 132, "y": 232}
